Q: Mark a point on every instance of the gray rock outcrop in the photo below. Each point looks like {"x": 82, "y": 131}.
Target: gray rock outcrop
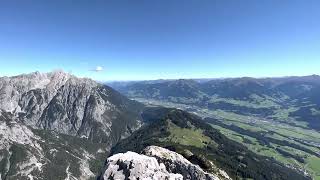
{"x": 131, "y": 165}
{"x": 154, "y": 163}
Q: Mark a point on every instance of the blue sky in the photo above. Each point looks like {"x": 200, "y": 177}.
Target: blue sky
{"x": 149, "y": 39}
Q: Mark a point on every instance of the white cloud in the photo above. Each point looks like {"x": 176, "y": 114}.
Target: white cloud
{"x": 97, "y": 69}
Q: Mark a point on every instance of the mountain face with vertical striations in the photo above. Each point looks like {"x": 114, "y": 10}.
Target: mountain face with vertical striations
{"x": 27, "y": 153}
{"x": 57, "y": 126}
{"x": 66, "y": 104}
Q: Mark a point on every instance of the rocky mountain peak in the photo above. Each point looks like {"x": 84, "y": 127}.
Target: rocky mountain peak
{"x": 131, "y": 165}
{"x": 67, "y": 104}
{"x": 154, "y": 163}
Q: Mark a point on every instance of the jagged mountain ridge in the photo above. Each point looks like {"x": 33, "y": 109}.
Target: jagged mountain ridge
{"x": 57, "y": 126}
{"x": 70, "y": 105}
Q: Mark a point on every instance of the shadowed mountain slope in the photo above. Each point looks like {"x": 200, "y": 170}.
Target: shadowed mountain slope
{"x": 190, "y": 136}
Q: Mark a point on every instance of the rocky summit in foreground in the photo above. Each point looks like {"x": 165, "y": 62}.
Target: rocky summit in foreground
{"x": 154, "y": 163}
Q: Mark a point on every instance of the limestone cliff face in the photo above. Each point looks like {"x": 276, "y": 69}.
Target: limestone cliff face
{"x": 26, "y": 153}
{"x": 154, "y": 163}
{"x": 70, "y": 105}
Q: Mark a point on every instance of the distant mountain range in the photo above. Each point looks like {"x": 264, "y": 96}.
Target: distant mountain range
{"x": 264, "y": 95}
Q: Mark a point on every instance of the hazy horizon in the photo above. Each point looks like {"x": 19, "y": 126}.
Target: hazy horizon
{"x": 191, "y": 78}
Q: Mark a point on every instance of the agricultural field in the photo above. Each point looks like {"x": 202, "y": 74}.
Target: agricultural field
{"x": 290, "y": 143}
